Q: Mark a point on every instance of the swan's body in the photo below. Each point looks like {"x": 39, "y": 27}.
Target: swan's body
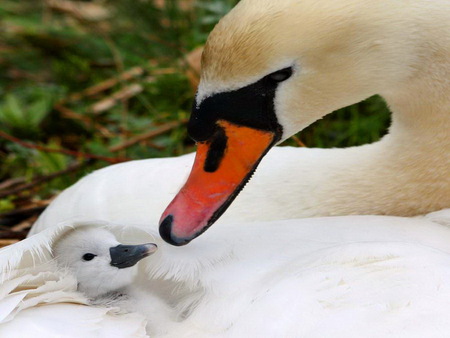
{"x": 364, "y": 276}
{"x": 286, "y": 185}
{"x": 138, "y": 191}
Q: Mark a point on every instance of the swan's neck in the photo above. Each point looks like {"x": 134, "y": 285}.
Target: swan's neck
{"x": 408, "y": 171}
{"x": 405, "y": 173}
{"x": 421, "y": 109}
{"x": 421, "y": 104}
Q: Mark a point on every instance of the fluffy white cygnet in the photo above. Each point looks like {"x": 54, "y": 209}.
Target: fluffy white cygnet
{"x": 106, "y": 272}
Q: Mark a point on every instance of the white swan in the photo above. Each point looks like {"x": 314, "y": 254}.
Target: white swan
{"x": 277, "y": 66}
{"x": 357, "y": 276}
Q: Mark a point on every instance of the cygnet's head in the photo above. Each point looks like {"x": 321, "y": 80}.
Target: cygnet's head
{"x": 98, "y": 261}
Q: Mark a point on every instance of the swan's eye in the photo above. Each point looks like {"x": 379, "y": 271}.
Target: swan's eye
{"x": 281, "y": 75}
{"x": 88, "y": 257}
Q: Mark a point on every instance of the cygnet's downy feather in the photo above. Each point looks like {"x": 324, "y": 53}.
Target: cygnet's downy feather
{"x": 96, "y": 259}
{"x": 39, "y": 299}
{"x": 106, "y": 272}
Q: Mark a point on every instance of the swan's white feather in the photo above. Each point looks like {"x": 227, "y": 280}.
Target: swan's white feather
{"x": 336, "y": 276}
{"x": 74, "y": 321}
{"x": 340, "y": 277}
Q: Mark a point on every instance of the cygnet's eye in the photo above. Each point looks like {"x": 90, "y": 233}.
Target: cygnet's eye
{"x": 88, "y": 257}
{"x": 281, "y": 75}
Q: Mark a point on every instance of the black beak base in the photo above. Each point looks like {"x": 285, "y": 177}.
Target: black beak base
{"x": 125, "y": 256}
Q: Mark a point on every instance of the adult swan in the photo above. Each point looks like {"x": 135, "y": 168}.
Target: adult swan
{"x": 271, "y": 68}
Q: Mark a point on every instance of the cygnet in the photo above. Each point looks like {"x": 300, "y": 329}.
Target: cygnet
{"x": 106, "y": 272}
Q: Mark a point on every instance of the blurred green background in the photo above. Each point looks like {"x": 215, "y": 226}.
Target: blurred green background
{"x": 85, "y": 84}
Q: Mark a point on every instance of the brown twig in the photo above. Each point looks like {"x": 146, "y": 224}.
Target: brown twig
{"x": 11, "y": 182}
{"x": 27, "y": 212}
{"x": 119, "y": 96}
{"x": 164, "y": 71}
{"x": 298, "y": 141}
{"x": 80, "y": 10}
{"x": 107, "y": 84}
{"x": 111, "y": 82}
{"x": 6, "y": 242}
{"x": 69, "y": 113}
{"x": 12, "y": 235}
{"x": 43, "y": 179}
{"x": 25, "y": 224}
{"x": 40, "y": 180}
{"x": 150, "y": 134}
{"x": 77, "y": 154}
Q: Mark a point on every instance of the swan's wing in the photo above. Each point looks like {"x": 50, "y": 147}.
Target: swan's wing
{"x": 74, "y": 321}
{"x": 370, "y": 290}
{"x": 365, "y": 276}
{"x": 127, "y": 193}
{"x": 353, "y": 290}
{"x": 440, "y": 217}
{"x": 37, "y": 298}
{"x": 31, "y": 251}
{"x": 266, "y": 242}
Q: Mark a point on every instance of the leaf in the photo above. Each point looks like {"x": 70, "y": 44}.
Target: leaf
{"x": 38, "y": 110}
{"x": 11, "y": 113}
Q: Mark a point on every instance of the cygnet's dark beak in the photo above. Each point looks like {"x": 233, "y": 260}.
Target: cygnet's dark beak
{"x": 125, "y": 256}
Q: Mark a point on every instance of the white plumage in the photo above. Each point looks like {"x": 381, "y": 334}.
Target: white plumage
{"x": 40, "y": 300}
{"x": 365, "y": 276}
{"x": 87, "y": 253}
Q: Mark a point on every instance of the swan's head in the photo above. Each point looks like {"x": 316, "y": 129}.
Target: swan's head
{"x": 98, "y": 261}
{"x": 271, "y": 68}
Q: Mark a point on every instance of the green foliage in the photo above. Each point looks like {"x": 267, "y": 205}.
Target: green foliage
{"x": 6, "y": 205}
{"x": 361, "y": 123}
{"x": 214, "y": 10}
{"x": 22, "y": 112}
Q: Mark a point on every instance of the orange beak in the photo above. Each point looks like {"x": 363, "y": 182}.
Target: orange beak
{"x": 222, "y": 167}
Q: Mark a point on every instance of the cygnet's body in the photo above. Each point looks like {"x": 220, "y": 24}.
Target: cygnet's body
{"x": 106, "y": 272}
